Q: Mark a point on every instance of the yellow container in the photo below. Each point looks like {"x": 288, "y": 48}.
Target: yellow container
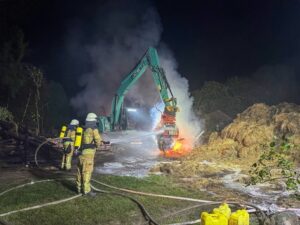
{"x": 240, "y": 217}
{"x": 213, "y": 219}
{"x": 78, "y": 137}
{"x": 223, "y": 209}
{"x": 63, "y": 132}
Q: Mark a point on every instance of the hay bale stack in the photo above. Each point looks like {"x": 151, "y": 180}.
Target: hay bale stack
{"x": 287, "y": 123}
{"x": 258, "y": 125}
{"x": 259, "y": 113}
{"x": 242, "y": 140}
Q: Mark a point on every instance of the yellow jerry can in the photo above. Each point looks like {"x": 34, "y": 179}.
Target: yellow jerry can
{"x": 223, "y": 209}
{"x": 240, "y": 217}
{"x": 213, "y": 219}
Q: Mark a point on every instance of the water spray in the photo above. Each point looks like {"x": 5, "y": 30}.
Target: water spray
{"x": 199, "y": 135}
{"x": 129, "y": 139}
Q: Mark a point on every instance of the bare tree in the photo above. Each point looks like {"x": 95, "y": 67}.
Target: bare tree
{"x": 26, "y": 107}
{"x": 37, "y": 77}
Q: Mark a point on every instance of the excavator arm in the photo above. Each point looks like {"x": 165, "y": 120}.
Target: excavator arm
{"x": 167, "y": 126}
{"x": 149, "y": 60}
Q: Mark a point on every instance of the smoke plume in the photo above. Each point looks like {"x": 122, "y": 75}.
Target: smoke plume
{"x": 122, "y": 37}
{"x": 122, "y": 40}
{"x": 189, "y": 126}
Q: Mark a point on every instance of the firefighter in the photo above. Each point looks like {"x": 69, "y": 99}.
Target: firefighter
{"x": 68, "y": 145}
{"x": 91, "y": 141}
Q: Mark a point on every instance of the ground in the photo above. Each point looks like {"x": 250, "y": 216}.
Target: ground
{"x": 224, "y": 160}
{"x": 215, "y": 171}
{"x": 104, "y": 209}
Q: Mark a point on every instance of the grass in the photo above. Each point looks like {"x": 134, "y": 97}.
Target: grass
{"x": 104, "y": 209}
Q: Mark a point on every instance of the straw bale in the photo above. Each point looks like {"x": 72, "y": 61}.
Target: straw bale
{"x": 287, "y": 123}
{"x": 241, "y": 142}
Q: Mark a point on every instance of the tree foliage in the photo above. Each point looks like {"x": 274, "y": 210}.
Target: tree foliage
{"x": 56, "y": 105}
{"x": 5, "y": 115}
{"x": 11, "y": 67}
{"x": 31, "y": 100}
{"x": 233, "y": 97}
{"x": 276, "y": 157}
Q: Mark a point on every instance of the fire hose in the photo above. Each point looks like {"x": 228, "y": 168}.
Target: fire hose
{"x": 144, "y": 211}
{"x": 142, "y": 208}
{"x": 145, "y": 214}
{"x": 205, "y": 202}
{"x": 154, "y": 195}
{"x": 40, "y": 146}
{"x": 141, "y": 193}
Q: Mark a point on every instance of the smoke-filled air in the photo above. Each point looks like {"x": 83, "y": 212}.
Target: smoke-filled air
{"x": 187, "y": 122}
{"x": 173, "y": 99}
{"x": 114, "y": 54}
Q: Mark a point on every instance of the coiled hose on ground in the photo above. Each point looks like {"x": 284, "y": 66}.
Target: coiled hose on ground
{"x": 146, "y": 215}
{"x": 141, "y": 207}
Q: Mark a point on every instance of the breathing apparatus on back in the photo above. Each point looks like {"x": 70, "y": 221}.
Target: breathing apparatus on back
{"x": 90, "y": 121}
{"x": 66, "y": 135}
{"x": 78, "y": 138}
{"x": 63, "y": 130}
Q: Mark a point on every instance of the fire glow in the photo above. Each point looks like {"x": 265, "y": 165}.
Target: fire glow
{"x": 180, "y": 148}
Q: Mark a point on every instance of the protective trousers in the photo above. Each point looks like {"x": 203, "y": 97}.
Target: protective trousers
{"x": 85, "y": 168}
{"x": 66, "y": 162}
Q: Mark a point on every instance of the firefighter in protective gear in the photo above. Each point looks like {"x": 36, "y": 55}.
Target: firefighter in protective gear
{"x": 68, "y": 145}
{"x": 91, "y": 141}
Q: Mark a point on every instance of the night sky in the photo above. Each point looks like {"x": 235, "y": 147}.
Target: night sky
{"x": 211, "y": 40}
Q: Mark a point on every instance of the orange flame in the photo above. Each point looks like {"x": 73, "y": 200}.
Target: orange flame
{"x": 181, "y": 148}
{"x": 177, "y": 146}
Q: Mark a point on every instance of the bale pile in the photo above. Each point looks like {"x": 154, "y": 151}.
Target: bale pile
{"x": 241, "y": 142}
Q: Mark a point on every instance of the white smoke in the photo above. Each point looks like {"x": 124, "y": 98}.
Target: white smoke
{"x": 124, "y": 35}
{"x": 155, "y": 114}
{"x": 189, "y": 125}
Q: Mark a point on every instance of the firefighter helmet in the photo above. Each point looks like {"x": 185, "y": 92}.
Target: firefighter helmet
{"x": 91, "y": 117}
{"x": 74, "y": 122}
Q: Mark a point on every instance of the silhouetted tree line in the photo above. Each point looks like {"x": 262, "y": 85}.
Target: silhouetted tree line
{"x": 219, "y": 103}
{"x": 34, "y": 101}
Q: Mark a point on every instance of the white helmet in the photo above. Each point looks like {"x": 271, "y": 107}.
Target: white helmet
{"x": 74, "y": 122}
{"x": 91, "y": 117}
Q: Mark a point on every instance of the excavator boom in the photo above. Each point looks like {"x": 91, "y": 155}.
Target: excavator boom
{"x": 150, "y": 60}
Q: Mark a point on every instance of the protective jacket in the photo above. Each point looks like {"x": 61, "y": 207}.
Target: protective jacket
{"x": 90, "y": 142}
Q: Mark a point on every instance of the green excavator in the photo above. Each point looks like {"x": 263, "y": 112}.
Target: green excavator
{"x": 167, "y": 131}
